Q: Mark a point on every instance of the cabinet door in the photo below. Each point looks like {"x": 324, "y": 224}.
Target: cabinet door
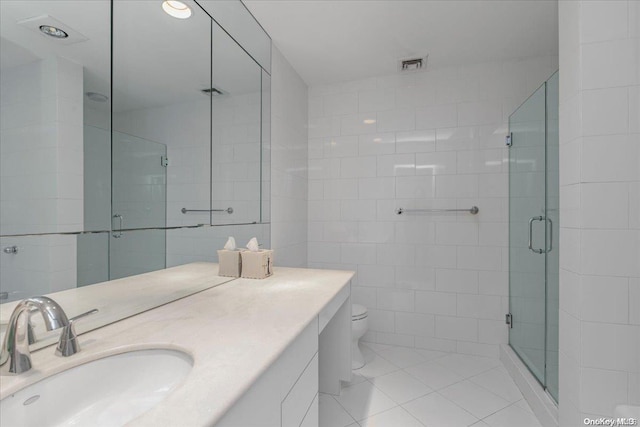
{"x": 312, "y": 419}
{"x": 297, "y": 403}
{"x": 273, "y": 398}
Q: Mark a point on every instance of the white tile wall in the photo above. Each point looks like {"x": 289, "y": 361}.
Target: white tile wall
{"x": 599, "y": 163}
{"x": 185, "y": 245}
{"x": 41, "y": 143}
{"x": 42, "y": 265}
{"x": 427, "y": 140}
{"x": 235, "y": 155}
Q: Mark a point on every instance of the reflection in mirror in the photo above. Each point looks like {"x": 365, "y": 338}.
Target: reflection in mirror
{"x": 161, "y": 138}
{"x": 265, "y": 195}
{"x": 238, "y": 21}
{"x": 95, "y": 170}
{"x": 136, "y": 251}
{"x": 53, "y": 91}
{"x": 235, "y": 155}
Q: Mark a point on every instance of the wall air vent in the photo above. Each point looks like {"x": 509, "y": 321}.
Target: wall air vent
{"x": 212, "y": 91}
{"x": 413, "y": 64}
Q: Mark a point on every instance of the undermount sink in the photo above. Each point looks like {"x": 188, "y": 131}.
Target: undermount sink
{"x": 105, "y": 392}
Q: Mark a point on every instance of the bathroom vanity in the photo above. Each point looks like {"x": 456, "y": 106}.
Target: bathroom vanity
{"x": 260, "y": 349}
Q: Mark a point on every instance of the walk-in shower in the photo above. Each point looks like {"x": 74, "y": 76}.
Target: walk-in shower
{"x": 533, "y": 234}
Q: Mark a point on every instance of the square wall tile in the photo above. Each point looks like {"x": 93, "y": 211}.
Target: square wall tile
{"x": 605, "y": 111}
{"x": 603, "y": 20}
{"x": 601, "y": 390}
{"x": 604, "y": 299}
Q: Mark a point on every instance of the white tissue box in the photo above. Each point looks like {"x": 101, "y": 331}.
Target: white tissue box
{"x": 257, "y": 265}
{"x": 229, "y": 263}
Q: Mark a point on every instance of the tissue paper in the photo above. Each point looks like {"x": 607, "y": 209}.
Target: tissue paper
{"x": 229, "y": 260}
{"x": 231, "y": 244}
{"x": 253, "y": 245}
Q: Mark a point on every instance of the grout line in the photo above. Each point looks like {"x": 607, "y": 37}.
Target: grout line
{"x": 340, "y": 405}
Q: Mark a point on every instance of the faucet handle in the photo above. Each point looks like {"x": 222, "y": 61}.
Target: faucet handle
{"x": 68, "y": 344}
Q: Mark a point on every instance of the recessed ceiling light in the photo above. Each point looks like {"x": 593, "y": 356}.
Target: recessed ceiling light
{"x": 53, "y": 31}
{"x": 369, "y": 121}
{"x": 97, "y": 97}
{"x": 177, "y": 9}
{"x": 377, "y": 139}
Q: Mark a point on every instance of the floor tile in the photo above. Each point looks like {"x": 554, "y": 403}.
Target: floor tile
{"x": 524, "y": 405}
{"x": 400, "y": 386}
{"x": 376, "y": 366}
{"x": 431, "y": 354}
{"x": 375, "y": 346}
{"x": 355, "y": 379}
{"x": 434, "y": 375}
{"x": 367, "y": 352}
{"x": 466, "y": 365}
{"x": 364, "y": 400}
{"x": 499, "y": 382}
{"x": 402, "y": 357}
{"x": 474, "y": 399}
{"x": 437, "y": 411}
{"x": 512, "y": 416}
{"x": 332, "y": 414}
{"x": 469, "y": 388}
{"x": 396, "y": 417}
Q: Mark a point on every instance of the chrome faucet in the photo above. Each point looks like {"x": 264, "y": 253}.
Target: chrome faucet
{"x": 15, "y": 357}
{"x": 68, "y": 344}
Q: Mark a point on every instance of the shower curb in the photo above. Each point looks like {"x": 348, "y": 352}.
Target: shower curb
{"x": 544, "y": 408}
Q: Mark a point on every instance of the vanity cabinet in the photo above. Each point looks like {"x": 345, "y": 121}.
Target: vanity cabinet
{"x": 286, "y": 394}
{"x": 261, "y": 350}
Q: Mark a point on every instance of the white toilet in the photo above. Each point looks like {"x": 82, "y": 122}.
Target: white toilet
{"x": 359, "y": 325}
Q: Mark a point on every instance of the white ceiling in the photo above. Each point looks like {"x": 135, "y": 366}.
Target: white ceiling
{"x": 158, "y": 60}
{"x": 330, "y": 41}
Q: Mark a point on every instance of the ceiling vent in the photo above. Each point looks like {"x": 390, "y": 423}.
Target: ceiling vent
{"x": 46, "y": 25}
{"x": 413, "y": 64}
{"x": 212, "y": 91}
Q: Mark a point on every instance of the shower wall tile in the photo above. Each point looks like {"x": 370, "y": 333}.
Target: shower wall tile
{"x": 634, "y": 295}
{"x": 603, "y": 20}
{"x": 605, "y": 299}
{"x": 600, "y": 250}
{"x": 602, "y": 390}
{"x": 605, "y": 111}
{"x": 610, "y": 158}
{"x": 609, "y": 64}
{"x": 431, "y": 139}
{"x": 605, "y": 205}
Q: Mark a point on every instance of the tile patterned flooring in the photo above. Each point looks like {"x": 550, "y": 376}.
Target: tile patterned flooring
{"x": 406, "y": 387}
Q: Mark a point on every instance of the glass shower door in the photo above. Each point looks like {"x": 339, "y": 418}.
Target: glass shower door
{"x": 527, "y": 233}
{"x": 139, "y": 199}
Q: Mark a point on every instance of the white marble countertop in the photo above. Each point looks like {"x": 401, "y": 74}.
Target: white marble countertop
{"x": 234, "y": 332}
{"x": 121, "y": 298}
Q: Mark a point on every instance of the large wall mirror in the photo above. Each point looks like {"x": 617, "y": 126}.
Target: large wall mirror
{"x": 125, "y": 132}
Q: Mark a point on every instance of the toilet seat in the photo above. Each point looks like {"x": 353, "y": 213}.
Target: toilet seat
{"x": 358, "y": 312}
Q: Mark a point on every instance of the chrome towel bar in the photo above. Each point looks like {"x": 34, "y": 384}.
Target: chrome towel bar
{"x": 228, "y": 210}
{"x": 474, "y": 210}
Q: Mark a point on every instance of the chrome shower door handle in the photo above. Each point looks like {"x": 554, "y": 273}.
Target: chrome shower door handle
{"x": 534, "y": 218}
{"x": 550, "y": 235}
{"x": 118, "y": 234}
